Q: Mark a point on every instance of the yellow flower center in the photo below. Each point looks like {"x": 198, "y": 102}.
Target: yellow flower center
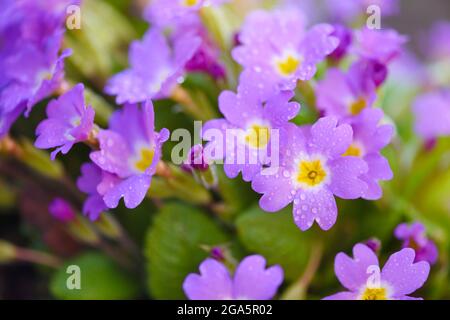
{"x": 357, "y": 106}
{"x": 311, "y": 173}
{"x": 374, "y": 294}
{"x": 45, "y": 75}
{"x": 413, "y": 244}
{"x": 145, "y": 159}
{"x": 76, "y": 121}
{"x": 190, "y": 3}
{"x": 288, "y": 65}
{"x": 354, "y": 150}
{"x": 258, "y": 136}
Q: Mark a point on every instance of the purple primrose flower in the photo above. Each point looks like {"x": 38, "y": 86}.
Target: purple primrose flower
{"x": 251, "y": 281}
{"x": 437, "y": 42}
{"x": 248, "y": 130}
{"x": 68, "y": 121}
{"x": 155, "y": 67}
{"x": 345, "y": 94}
{"x": 379, "y": 45}
{"x": 129, "y": 151}
{"x": 31, "y": 35}
{"x": 276, "y": 51}
{"x": 368, "y": 139}
{"x": 414, "y": 237}
{"x": 432, "y": 114}
{"x": 89, "y": 181}
{"x": 362, "y": 277}
{"x": 206, "y": 58}
{"x": 313, "y": 170}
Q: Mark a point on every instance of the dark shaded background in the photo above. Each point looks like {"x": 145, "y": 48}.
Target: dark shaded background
{"x": 416, "y": 17}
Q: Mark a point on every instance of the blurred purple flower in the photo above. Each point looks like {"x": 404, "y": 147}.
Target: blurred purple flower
{"x": 196, "y": 159}
{"x": 311, "y": 173}
{"x": 206, "y": 58}
{"x": 379, "y": 45}
{"x": 345, "y": 94}
{"x": 374, "y": 244}
{"x": 89, "y": 181}
{"x": 163, "y": 13}
{"x": 61, "y": 210}
{"x": 437, "y": 42}
{"x": 414, "y": 237}
{"x": 254, "y": 124}
{"x": 130, "y": 149}
{"x": 251, "y": 281}
{"x": 31, "y": 35}
{"x": 182, "y": 19}
{"x": 68, "y": 121}
{"x": 217, "y": 253}
{"x": 368, "y": 139}
{"x": 350, "y": 10}
{"x": 155, "y": 67}
{"x": 432, "y": 114}
{"x": 372, "y": 70}
{"x": 277, "y": 51}
{"x": 362, "y": 277}
{"x": 344, "y": 35}
{"x": 408, "y": 70}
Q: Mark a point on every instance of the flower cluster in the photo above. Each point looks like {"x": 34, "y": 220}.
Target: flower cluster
{"x": 31, "y": 35}
{"x": 339, "y": 155}
{"x": 299, "y": 109}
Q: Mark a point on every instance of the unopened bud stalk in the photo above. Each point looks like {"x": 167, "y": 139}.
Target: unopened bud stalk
{"x": 7, "y": 252}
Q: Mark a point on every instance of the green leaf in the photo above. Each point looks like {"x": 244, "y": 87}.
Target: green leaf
{"x": 433, "y": 201}
{"x": 277, "y": 238}
{"x": 98, "y": 47}
{"x": 236, "y": 194}
{"x": 424, "y": 165}
{"x": 173, "y": 248}
{"x": 101, "y": 279}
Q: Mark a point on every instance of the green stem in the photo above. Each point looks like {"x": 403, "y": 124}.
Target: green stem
{"x": 28, "y": 255}
{"x": 182, "y": 96}
{"x": 299, "y": 289}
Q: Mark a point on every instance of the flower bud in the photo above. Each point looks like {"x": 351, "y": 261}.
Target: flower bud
{"x": 7, "y": 252}
{"x": 200, "y": 167}
{"x": 345, "y": 39}
{"x": 374, "y": 244}
{"x": 61, "y": 210}
{"x": 108, "y": 226}
{"x": 82, "y": 230}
